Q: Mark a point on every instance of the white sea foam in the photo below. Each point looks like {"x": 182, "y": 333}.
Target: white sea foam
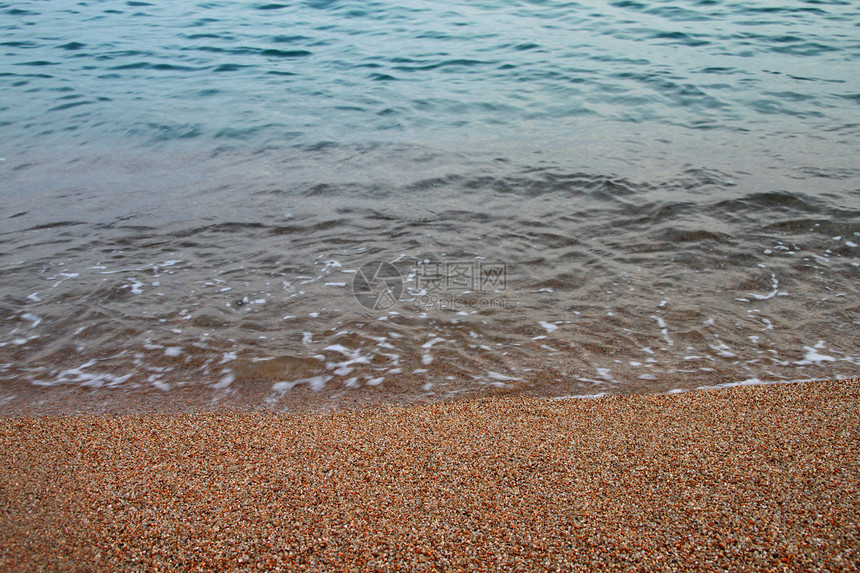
{"x": 429, "y": 344}
{"x": 227, "y": 378}
{"x": 663, "y": 329}
{"x": 748, "y": 382}
{"x": 582, "y": 396}
{"x": 606, "y": 374}
{"x": 723, "y": 350}
{"x": 346, "y": 367}
{"x": 315, "y": 383}
{"x": 36, "y": 320}
{"x": 814, "y": 357}
{"x": 770, "y": 295}
{"x": 82, "y": 377}
{"x": 66, "y": 276}
{"x": 501, "y": 377}
{"x": 156, "y": 381}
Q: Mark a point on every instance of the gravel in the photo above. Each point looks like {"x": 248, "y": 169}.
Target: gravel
{"x": 755, "y": 478}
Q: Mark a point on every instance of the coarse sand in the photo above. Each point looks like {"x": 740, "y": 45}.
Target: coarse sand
{"x": 754, "y": 478}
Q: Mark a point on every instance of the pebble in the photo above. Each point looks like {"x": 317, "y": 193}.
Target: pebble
{"x": 762, "y": 478}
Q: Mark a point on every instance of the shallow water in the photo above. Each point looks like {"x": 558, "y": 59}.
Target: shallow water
{"x": 573, "y": 199}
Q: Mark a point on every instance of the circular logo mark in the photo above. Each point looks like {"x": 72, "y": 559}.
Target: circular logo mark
{"x": 377, "y": 285}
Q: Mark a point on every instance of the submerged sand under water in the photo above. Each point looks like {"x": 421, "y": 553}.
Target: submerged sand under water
{"x": 135, "y": 275}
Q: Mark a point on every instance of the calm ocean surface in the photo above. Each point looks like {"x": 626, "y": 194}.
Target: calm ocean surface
{"x": 275, "y": 202}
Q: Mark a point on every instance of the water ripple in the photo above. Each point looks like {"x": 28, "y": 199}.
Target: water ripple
{"x": 529, "y": 72}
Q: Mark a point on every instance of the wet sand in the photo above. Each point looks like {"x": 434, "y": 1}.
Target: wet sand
{"x": 747, "y": 478}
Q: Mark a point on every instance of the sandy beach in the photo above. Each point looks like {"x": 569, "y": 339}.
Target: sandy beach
{"x": 758, "y": 478}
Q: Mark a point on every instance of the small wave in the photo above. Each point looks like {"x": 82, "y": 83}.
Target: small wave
{"x": 21, "y": 12}
{"x": 681, "y": 38}
{"x": 56, "y": 225}
{"x": 773, "y": 201}
{"x": 229, "y": 68}
{"x": 72, "y": 46}
{"x": 294, "y": 39}
{"x": 423, "y": 67}
{"x": 70, "y": 105}
{"x": 163, "y": 132}
{"x": 158, "y": 67}
{"x": 37, "y": 63}
{"x": 271, "y": 52}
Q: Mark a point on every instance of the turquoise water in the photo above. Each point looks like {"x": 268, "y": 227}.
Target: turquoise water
{"x": 332, "y": 73}
{"x": 188, "y": 192}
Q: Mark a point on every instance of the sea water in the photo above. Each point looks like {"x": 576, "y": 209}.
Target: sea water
{"x": 427, "y": 199}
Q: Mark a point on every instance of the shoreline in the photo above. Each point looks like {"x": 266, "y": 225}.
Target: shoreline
{"x": 79, "y": 400}
{"x": 750, "y": 477}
